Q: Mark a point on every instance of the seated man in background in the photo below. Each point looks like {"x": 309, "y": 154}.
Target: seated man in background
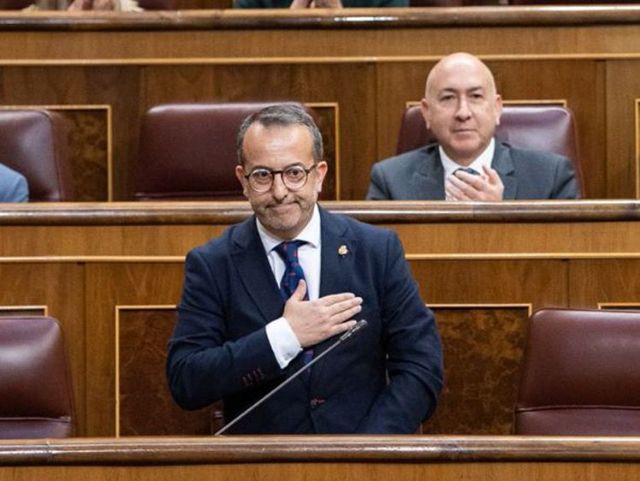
{"x": 279, "y": 288}
{"x": 462, "y": 109}
{"x": 13, "y": 186}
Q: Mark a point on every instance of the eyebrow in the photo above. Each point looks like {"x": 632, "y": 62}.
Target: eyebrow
{"x": 299, "y": 164}
{"x": 453, "y": 90}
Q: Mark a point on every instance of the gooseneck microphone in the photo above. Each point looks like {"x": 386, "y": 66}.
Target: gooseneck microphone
{"x": 361, "y": 324}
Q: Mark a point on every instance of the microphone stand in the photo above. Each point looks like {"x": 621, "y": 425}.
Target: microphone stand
{"x": 361, "y": 324}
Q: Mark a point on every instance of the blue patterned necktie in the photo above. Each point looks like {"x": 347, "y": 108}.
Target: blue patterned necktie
{"x": 288, "y": 252}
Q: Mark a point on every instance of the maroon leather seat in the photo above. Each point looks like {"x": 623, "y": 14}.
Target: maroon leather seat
{"x": 547, "y": 128}
{"x": 581, "y": 374}
{"x": 34, "y": 143}
{"x": 14, "y": 4}
{"x": 188, "y": 151}
{"x": 35, "y": 386}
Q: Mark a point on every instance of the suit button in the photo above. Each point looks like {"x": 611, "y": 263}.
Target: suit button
{"x": 316, "y": 402}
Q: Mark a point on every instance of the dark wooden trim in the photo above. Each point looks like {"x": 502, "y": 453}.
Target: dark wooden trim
{"x": 184, "y": 213}
{"x": 245, "y": 449}
{"x": 340, "y": 19}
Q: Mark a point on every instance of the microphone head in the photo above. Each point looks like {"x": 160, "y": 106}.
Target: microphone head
{"x": 361, "y": 324}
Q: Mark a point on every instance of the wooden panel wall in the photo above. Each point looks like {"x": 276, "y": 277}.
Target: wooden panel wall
{"x": 370, "y": 74}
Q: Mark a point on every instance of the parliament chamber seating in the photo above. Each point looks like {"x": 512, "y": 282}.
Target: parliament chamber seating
{"x": 580, "y": 374}
{"x": 548, "y": 128}
{"x": 34, "y": 143}
{"x": 35, "y": 385}
{"x": 188, "y": 151}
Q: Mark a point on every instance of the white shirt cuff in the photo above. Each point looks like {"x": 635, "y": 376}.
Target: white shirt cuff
{"x": 283, "y": 341}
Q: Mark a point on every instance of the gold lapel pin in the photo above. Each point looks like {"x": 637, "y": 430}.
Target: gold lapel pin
{"x": 343, "y": 250}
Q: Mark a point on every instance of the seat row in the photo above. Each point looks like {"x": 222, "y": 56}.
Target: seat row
{"x": 187, "y": 151}
{"x": 579, "y": 376}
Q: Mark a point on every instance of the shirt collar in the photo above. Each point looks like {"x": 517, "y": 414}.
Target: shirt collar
{"x": 484, "y": 158}
{"x": 310, "y": 234}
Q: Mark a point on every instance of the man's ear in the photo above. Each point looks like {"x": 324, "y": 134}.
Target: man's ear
{"x": 321, "y": 170}
{"x": 498, "y": 109}
{"x": 242, "y": 180}
{"x": 424, "y": 108}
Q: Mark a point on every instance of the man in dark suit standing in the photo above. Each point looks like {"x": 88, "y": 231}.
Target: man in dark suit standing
{"x": 462, "y": 109}
{"x": 274, "y": 291}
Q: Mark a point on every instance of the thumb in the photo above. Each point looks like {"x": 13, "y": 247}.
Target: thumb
{"x": 300, "y": 291}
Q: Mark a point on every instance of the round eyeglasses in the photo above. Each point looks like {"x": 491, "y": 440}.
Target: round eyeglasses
{"x": 293, "y": 177}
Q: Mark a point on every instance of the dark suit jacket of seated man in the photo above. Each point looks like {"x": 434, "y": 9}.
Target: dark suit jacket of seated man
{"x": 462, "y": 109}
{"x": 384, "y": 380}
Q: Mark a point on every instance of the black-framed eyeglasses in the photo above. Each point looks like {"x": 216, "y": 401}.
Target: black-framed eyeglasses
{"x": 293, "y": 177}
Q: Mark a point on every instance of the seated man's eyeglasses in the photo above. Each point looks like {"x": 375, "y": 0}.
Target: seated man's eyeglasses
{"x": 293, "y": 177}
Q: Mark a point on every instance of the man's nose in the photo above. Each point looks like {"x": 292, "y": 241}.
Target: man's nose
{"x": 278, "y": 189}
{"x": 463, "y": 112}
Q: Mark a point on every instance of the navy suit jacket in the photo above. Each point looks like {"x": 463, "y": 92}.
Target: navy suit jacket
{"x": 219, "y": 348}
{"x": 526, "y": 174}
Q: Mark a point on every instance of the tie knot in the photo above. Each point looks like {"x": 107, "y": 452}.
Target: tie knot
{"x": 288, "y": 250}
{"x": 468, "y": 170}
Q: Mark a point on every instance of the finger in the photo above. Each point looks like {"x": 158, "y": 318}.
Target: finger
{"x": 476, "y": 181}
{"x": 465, "y": 184}
{"x": 343, "y": 327}
{"x": 334, "y": 298}
{"x": 345, "y": 315}
{"x": 344, "y": 305}
{"x": 474, "y": 189}
{"x": 492, "y": 175}
{"x": 453, "y": 190}
{"x": 301, "y": 290}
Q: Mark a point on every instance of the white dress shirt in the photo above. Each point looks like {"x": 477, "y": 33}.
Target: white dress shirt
{"x": 283, "y": 341}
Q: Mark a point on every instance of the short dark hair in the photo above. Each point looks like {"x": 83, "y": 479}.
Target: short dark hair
{"x": 281, "y": 115}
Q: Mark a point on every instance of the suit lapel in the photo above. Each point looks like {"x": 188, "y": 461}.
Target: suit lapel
{"x": 428, "y": 181}
{"x": 254, "y": 270}
{"x": 503, "y": 164}
{"x": 339, "y": 251}
{"x": 338, "y": 254}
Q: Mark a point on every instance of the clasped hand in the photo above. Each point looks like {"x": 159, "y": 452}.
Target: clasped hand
{"x": 485, "y": 187}
{"x": 314, "y": 321}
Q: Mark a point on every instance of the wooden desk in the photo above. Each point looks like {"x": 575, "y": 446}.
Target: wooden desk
{"x": 323, "y": 458}
{"x": 112, "y": 273}
{"x": 358, "y": 67}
